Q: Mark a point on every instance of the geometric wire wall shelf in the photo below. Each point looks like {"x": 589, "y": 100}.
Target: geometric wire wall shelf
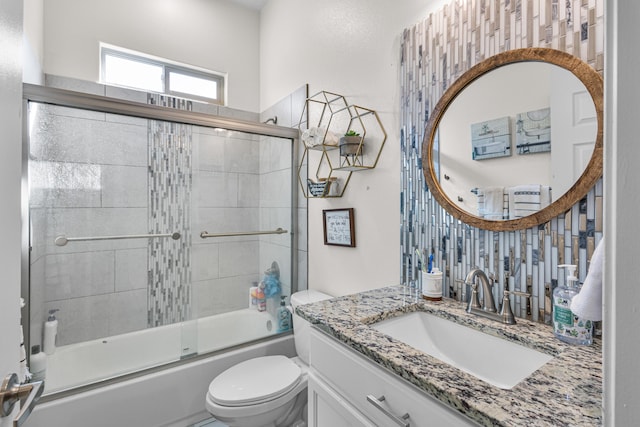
{"x": 326, "y": 120}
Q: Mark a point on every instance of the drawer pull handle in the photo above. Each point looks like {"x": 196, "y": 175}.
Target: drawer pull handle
{"x": 377, "y": 402}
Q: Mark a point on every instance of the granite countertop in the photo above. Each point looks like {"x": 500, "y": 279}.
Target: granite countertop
{"x": 567, "y": 391}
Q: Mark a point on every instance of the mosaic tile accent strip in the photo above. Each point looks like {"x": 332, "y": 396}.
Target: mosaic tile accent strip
{"x": 434, "y": 53}
{"x": 170, "y": 183}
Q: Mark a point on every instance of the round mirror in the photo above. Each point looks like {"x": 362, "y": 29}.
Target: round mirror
{"x": 516, "y": 140}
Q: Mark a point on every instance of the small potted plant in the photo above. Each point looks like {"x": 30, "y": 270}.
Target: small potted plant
{"x": 351, "y": 144}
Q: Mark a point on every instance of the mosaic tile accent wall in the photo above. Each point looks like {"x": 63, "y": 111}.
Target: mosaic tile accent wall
{"x": 435, "y": 52}
{"x": 170, "y": 175}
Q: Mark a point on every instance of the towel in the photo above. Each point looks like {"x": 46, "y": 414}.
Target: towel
{"x": 312, "y": 137}
{"x": 545, "y": 196}
{"x": 491, "y": 203}
{"x": 318, "y": 136}
{"x": 588, "y": 303}
{"x": 525, "y": 200}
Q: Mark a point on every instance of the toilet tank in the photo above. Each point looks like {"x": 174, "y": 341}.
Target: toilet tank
{"x": 301, "y": 327}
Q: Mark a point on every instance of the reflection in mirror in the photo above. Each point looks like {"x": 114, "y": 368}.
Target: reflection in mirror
{"x": 520, "y": 140}
{"x": 527, "y": 134}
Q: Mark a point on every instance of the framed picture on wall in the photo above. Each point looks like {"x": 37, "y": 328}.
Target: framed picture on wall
{"x": 491, "y": 138}
{"x": 338, "y": 227}
{"x": 533, "y": 131}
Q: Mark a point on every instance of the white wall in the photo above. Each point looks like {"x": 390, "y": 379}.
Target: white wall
{"x": 33, "y": 41}
{"x": 213, "y": 34}
{"x": 10, "y": 173}
{"x": 350, "y": 47}
{"x": 621, "y": 177}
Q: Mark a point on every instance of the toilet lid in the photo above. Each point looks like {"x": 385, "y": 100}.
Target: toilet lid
{"x": 254, "y": 381}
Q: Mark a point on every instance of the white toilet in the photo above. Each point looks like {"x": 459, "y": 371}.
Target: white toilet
{"x": 268, "y": 391}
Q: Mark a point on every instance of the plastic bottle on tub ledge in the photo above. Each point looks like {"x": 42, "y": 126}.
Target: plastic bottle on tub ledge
{"x": 261, "y": 300}
{"x": 50, "y": 332}
{"x": 38, "y": 364}
{"x": 253, "y": 296}
{"x": 284, "y": 315}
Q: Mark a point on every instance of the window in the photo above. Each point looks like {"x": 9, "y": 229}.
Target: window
{"x": 129, "y": 69}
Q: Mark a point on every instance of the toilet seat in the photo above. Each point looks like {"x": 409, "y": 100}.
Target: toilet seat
{"x": 255, "y": 381}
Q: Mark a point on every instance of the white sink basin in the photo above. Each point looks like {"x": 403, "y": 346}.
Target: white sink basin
{"x": 499, "y": 362}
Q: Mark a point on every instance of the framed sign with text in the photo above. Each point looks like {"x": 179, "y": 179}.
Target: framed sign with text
{"x": 338, "y": 227}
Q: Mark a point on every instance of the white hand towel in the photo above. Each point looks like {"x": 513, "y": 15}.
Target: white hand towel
{"x": 588, "y": 303}
{"x": 524, "y": 200}
{"x": 545, "y": 196}
{"x": 491, "y": 202}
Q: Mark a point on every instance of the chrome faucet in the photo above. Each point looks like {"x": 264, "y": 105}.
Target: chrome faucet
{"x": 488, "y": 308}
{"x": 487, "y": 287}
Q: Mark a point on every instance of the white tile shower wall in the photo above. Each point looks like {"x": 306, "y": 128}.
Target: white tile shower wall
{"x": 435, "y": 52}
{"x": 77, "y": 159}
{"x": 225, "y": 186}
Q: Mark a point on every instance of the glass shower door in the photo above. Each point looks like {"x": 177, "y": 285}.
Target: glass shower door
{"x": 117, "y": 208}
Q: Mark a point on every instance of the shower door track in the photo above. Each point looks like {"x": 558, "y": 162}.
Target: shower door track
{"x": 67, "y": 98}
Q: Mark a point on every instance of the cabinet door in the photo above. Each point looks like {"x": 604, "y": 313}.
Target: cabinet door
{"x": 382, "y": 397}
{"x": 328, "y": 409}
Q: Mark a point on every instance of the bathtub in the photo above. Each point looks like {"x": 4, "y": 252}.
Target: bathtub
{"x": 87, "y": 362}
{"x": 169, "y": 397}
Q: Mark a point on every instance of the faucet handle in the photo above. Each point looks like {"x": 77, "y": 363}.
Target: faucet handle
{"x": 474, "y": 299}
{"x": 519, "y": 293}
{"x": 505, "y": 312}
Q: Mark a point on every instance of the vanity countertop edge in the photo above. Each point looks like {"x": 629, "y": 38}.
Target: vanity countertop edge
{"x": 567, "y": 391}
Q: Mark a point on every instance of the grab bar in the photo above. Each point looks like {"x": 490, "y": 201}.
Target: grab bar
{"x": 63, "y": 240}
{"x": 206, "y": 234}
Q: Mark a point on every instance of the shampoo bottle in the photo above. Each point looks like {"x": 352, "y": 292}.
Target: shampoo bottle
{"x": 38, "y": 364}
{"x": 567, "y": 326}
{"x": 50, "y": 332}
{"x": 260, "y": 298}
{"x": 283, "y": 316}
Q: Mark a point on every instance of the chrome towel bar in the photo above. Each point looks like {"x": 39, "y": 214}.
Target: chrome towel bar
{"x": 63, "y": 240}
{"x": 206, "y": 234}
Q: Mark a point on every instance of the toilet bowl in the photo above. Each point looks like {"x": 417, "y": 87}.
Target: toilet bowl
{"x": 267, "y": 391}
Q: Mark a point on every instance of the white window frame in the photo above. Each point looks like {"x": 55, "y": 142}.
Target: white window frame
{"x": 167, "y": 67}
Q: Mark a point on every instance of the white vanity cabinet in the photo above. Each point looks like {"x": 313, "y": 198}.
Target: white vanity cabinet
{"x": 346, "y": 389}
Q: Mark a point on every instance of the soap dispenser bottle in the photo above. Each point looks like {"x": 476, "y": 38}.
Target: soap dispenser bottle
{"x": 50, "y": 332}
{"x": 566, "y": 325}
{"x": 283, "y": 316}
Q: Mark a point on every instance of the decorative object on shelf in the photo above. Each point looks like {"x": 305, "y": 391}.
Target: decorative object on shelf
{"x": 339, "y": 227}
{"x": 334, "y": 186}
{"x": 351, "y": 144}
{"x": 354, "y": 157}
{"x": 325, "y": 116}
{"x": 317, "y": 136}
{"x": 318, "y": 189}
